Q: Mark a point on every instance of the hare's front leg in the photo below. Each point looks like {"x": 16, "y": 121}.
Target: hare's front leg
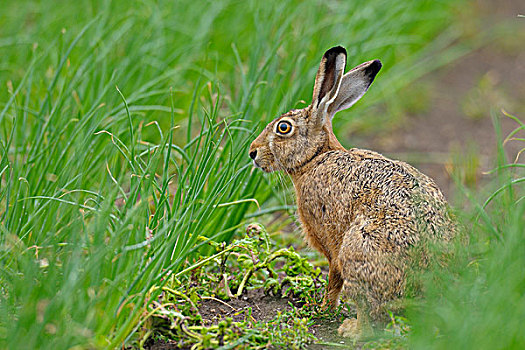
{"x": 335, "y": 284}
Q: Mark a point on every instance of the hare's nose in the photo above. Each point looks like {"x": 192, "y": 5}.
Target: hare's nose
{"x": 253, "y": 154}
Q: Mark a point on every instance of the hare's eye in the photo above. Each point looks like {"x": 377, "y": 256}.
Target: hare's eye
{"x": 284, "y": 127}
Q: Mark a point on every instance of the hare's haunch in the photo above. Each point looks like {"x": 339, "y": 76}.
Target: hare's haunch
{"x": 363, "y": 211}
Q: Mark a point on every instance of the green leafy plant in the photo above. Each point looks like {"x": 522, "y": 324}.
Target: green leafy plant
{"x": 245, "y": 264}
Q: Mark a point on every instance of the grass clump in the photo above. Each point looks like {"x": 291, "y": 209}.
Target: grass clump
{"x": 478, "y": 301}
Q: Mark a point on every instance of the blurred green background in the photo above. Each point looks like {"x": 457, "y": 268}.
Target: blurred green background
{"x": 124, "y": 128}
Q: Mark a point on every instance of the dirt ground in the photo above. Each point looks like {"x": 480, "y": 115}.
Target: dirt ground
{"x": 263, "y": 307}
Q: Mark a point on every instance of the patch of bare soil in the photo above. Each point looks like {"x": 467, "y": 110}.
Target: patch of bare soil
{"x": 263, "y": 307}
{"x": 163, "y": 345}
{"x": 256, "y": 303}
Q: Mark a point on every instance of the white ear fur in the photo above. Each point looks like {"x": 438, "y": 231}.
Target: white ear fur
{"x": 340, "y": 63}
{"x": 353, "y": 86}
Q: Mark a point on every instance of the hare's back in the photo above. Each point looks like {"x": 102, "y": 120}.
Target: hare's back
{"x": 344, "y": 185}
{"x": 356, "y": 173}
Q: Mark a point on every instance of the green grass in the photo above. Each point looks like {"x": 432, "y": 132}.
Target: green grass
{"x": 478, "y": 300}
{"x": 105, "y": 190}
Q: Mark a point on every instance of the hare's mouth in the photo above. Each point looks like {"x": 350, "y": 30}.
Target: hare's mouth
{"x": 263, "y": 168}
{"x": 255, "y": 164}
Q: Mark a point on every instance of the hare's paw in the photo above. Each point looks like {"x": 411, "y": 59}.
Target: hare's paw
{"x": 349, "y": 329}
{"x": 352, "y": 328}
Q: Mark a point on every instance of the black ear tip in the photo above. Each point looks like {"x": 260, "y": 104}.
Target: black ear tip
{"x": 334, "y": 51}
{"x": 373, "y": 68}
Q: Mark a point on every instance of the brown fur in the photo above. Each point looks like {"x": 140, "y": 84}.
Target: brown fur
{"x": 363, "y": 211}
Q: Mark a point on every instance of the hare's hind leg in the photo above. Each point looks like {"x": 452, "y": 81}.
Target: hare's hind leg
{"x": 371, "y": 272}
{"x": 359, "y": 327}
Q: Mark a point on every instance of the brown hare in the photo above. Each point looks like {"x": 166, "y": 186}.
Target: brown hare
{"x": 363, "y": 211}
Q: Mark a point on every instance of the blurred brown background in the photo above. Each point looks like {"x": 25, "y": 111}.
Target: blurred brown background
{"x": 449, "y": 130}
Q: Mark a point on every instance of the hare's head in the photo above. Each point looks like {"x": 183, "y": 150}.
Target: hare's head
{"x": 290, "y": 141}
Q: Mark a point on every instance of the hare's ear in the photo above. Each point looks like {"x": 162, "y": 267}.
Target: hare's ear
{"x": 353, "y": 86}
{"x": 328, "y": 79}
